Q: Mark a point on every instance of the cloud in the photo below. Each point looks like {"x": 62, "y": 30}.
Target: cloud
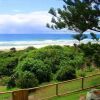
{"x": 33, "y": 22}
{"x": 24, "y": 22}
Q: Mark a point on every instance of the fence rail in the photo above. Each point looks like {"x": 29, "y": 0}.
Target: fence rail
{"x": 51, "y": 90}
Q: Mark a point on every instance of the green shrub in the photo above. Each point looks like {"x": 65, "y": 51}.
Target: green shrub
{"x": 42, "y": 71}
{"x": 50, "y": 55}
{"x": 90, "y": 68}
{"x": 26, "y": 80}
{"x": 4, "y": 80}
{"x": 66, "y": 73}
{"x": 43, "y": 74}
{"x": 29, "y": 48}
{"x": 13, "y": 49}
{"x": 11, "y": 82}
{"x": 82, "y": 73}
{"x": 7, "y": 65}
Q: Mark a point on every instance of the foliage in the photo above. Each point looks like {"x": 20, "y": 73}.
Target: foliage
{"x": 77, "y": 15}
{"x": 13, "y": 49}
{"x": 48, "y": 63}
{"x": 66, "y": 73}
{"x": 91, "y": 53}
{"x": 90, "y": 68}
{"x": 73, "y": 58}
{"x": 29, "y": 49}
{"x": 7, "y": 65}
{"x": 82, "y": 73}
{"x": 50, "y": 55}
{"x": 94, "y": 36}
{"x": 79, "y": 37}
{"x": 11, "y": 82}
{"x": 41, "y": 70}
{"x": 26, "y": 80}
{"x": 4, "y": 80}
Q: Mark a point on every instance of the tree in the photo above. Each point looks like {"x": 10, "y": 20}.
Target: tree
{"x": 66, "y": 73}
{"x": 7, "y": 65}
{"x": 29, "y": 48}
{"x": 50, "y": 55}
{"x": 13, "y": 49}
{"x": 77, "y": 15}
{"x": 91, "y": 54}
{"x": 79, "y": 37}
{"x": 94, "y": 37}
{"x": 26, "y": 80}
{"x": 42, "y": 71}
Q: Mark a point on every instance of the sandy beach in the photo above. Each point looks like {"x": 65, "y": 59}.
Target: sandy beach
{"x": 20, "y": 45}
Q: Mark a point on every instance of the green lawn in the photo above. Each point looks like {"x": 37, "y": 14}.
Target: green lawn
{"x": 6, "y": 96}
{"x": 72, "y": 96}
{"x": 62, "y": 88}
{"x": 66, "y": 87}
{"x": 3, "y": 88}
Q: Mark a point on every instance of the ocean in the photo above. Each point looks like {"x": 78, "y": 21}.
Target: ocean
{"x": 34, "y": 37}
{"x": 37, "y": 40}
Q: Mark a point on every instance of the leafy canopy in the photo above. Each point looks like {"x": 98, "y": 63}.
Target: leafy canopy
{"x": 94, "y": 36}
{"x": 77, "y": 15}
{"x": 79, "y": 37}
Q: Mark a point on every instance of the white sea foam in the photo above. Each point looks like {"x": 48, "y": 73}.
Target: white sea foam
{"x": 38, "y": 44}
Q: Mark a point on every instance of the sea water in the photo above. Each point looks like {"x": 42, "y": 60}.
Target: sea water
{"x": 37, "y": 40}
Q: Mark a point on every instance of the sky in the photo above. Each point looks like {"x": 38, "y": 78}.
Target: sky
{"x": 26, "y": 16}
{"x": 25, "y": 6}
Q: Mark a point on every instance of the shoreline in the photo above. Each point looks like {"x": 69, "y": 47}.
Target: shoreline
{"x": 21, "y": 45}
{"x": 7, "y": 48}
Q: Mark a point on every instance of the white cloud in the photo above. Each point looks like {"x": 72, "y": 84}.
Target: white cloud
{"x": 33, "y": 22}
{"x": 24, "y": 22}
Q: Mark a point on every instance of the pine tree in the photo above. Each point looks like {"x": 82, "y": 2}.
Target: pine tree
{"x": 77, "y": 15}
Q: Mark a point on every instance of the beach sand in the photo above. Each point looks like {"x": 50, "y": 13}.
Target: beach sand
{"x": 21, "y": 45}
{"x": 6, "y": 48}
{"x": 37, "y": 44}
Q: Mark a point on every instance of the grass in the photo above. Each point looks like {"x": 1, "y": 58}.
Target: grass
{"x": 63, "y": 88}
{"x": 66, "y": 87}
{"x": 88, "y": 72}
{"x": 6, "y": 96}
{"x": 72, "y": 96}
{"x": 4, "y": 89}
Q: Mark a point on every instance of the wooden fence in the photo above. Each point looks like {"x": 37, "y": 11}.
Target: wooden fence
{"x": 51, "y": 90}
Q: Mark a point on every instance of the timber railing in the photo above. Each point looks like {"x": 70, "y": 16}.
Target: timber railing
{"x": 51, "y": 90}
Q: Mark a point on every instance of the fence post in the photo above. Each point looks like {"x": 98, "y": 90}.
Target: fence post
{"x": 82, "y": 83}
{"x": 56, "y": 89}
{"x": 20, "y": 95}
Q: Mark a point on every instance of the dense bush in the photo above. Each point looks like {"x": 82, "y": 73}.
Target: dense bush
{"x": 41, "y": 70}
{"x": 81, "y": 73}
{"x": 11, "y": 82}
{"x": 66, "y": 73}
{"x": 49, "y": 55}
{"x": 91, "y": 52}
{"x": 7, "y": 65}
{"x": 47, "y": 63}
{"x": 26, "y": 80}
{"x": 13, "y": 49}
{"x": 29, "y": 48}
{"x": 4, "y": 80}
